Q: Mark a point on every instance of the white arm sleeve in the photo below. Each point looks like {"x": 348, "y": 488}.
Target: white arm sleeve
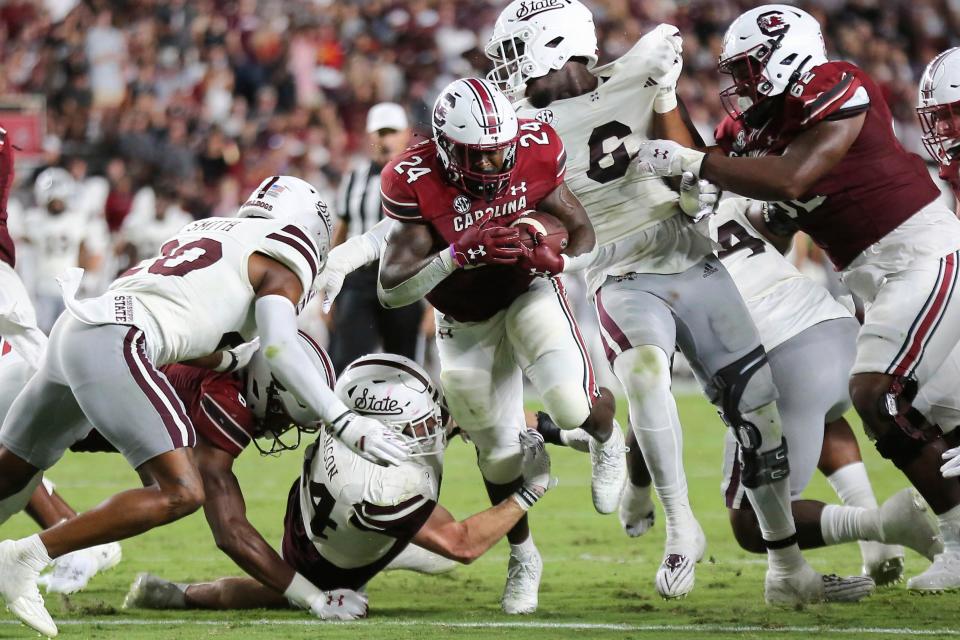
{"x": 361, "y": 250}
{"x": 277, "y": 324}
{"x": 418, "y": 285}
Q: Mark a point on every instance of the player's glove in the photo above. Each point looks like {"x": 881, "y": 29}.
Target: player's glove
{"x": 238, "y": 357}
{"x": 951, "y": 468}
{"x": 339, "y": 604}
{"x": 6, "y": 168}
{"x": 662, "y": 49}
{"x": 698, "y": 198}
{"x": 370, "y": 439}
{"x": 486, "y": 245}
{"x": 535, "y": 466}
{"x": 665, "y": 158}
{"x": 541, "y": 260}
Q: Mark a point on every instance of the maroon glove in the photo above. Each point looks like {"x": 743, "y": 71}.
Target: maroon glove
{"x": 6, "y": 168}
{"x": 486, "y": 245}
{"x": 541, "y": 260}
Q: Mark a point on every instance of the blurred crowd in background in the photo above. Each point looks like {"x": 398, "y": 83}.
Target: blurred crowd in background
{"x": 172, "y": 109}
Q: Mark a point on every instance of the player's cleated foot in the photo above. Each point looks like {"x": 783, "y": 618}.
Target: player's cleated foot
{"x": 521, "y": 592}
{"x": 71, "y": 572}
{"x": 108, "y": 555}
{"x": 808, "y": 587}
{"x": 150, "y": 592}
{"x": 636, "y": 513}
{"x": 941, "y": 576}
{"x": 609, "y": 471}
{"x": 675, "y": 576}
{"x": 18, "y": 588}
{"x": 882, "y": 562}
{"x": 906, "y": 520}
{"x": 418, "y": 559}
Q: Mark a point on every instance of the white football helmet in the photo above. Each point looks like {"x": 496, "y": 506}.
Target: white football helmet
{"x": 276, "y": 410}
{"x": 52, "y": 184}
{"x": 400, "y": 394}
{"x": 472, "y": 118}
{"x": 533, "y": 37}
{"x": 939, "y": 107}
{"x": 293, "y": 199}
{"x": 765, "y": 50}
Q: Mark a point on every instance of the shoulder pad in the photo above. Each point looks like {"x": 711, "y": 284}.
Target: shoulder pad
{"x": 291, "y": 245}
{"x": 829, "y": 91}
{"x": 398, "y": 194}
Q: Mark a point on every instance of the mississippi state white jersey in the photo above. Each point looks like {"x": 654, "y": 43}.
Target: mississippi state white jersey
{"x": 356, "y": 513}
{"x": 56, "y": 240}
{"x": 782, "y": 301}
{"x": 198, "y": 289}
{"x": 601, "y": 131}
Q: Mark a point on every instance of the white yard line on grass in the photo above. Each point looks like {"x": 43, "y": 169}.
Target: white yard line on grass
{"x": 705, "y": 628}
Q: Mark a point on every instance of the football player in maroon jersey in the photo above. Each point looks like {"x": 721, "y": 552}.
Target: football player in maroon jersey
{"x": 455, "y": 197}
{"x": 815, "y": 138}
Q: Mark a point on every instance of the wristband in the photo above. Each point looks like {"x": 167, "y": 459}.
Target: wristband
{"x": 301, "y": 592}
{"x": 665, "y": 101}
{"x": 525, "y": 498}
{"x": 228, "y": 362}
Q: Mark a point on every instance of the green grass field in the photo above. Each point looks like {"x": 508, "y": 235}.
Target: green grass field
{"x": 597, "y": 583}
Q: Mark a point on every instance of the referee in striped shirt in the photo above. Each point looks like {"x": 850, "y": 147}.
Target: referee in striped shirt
{"x": 360, "y": 324}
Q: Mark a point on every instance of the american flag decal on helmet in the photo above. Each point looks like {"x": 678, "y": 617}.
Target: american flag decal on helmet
{"x": 488, "y": 106}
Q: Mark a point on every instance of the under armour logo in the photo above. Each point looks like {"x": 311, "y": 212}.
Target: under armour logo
{"x": 660, "y": 153}
{"x": 520, "y": 188}
{"x": 594, "y": 96}
{"x": 331, "y": 600}
{"x": 476, "y": 253}
{"x": 444, "y": 333}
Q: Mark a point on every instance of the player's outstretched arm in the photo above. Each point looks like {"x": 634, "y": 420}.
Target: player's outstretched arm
{"x": 467, "y": 540}
{"x": 346, "y": 258}
{"x": 226, "y": 514}
{"x": 788, "y": 176}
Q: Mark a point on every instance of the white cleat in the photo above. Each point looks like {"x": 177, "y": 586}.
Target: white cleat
{"x": 521, "y": 592}
{"x": 18, "y": 588}
{"x": 907, "y": 520}
{"x": 637, "y": 514}
{"x": 882, "y": 562}
{"x": 808, "y": 587}
{"x": 675, "y": 576}
{"x": 941, "y": 576}
{"x": 418, "y": 559}
{"x": 609, "y": 471}
{"x": 72, "y": 572}
{"x": 150, "y": 592}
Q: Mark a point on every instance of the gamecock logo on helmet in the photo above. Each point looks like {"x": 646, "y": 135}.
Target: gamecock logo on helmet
{"x": 440, "y": 112}
{"x": 772, "y": 23}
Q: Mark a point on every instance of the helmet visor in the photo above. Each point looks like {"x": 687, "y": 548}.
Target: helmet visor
{"x": 482, "y": 170}
{"x": 941, "y": 130}
{"x": 749, "y": 82}
{"x": 512, "y": 64}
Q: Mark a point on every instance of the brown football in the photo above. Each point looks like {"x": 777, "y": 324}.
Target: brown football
{"x": 532, "y": 222}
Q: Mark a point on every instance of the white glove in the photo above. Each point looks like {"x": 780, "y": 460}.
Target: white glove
{"x": 339, "y": 604}
{"x": 370, "y": 439}
{"x": 535, "y": 467}
{"x": 662, "y": 51}
{"x": 951, "y": 468}
{"x": 698, "y": 198}
{"x": 238, "y": 357}
{"x": 665, "y": 158}
{"x": 329, "y": 284}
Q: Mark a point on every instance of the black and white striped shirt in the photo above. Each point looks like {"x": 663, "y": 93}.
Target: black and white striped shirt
{"x": 358, "y": 201}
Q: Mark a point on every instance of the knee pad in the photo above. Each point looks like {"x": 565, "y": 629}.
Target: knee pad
{"x": 744, "y": 385}
{"x": 907, "y": 430}
{"x": 500, "y": 464}
{"x": 568, "y": 405}
{"x": 642, "y": 368}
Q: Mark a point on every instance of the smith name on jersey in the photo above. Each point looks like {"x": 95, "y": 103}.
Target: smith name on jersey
{"x": 871, "y": 191}
{"x": 414, "y": 189}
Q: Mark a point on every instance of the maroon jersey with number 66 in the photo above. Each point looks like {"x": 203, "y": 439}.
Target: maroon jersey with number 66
{"x": 414, "y": 189}
{"x": 871, "y": 191}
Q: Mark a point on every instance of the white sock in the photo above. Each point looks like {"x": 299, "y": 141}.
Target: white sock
{"x": 950, "y": 529}
{"x": 853, "y": 486}
{"x": 34, "y": 553}
{"x": 577, "y": 439}
{"x": 785, "y": 561}
{"x": 639, "y": 499}
{"x": 645, "y": 374}
{"x": 847, "y": 524}
{"x": 524, "y": 549}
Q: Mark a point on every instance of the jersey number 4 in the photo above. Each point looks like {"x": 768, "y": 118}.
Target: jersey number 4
{"x": 323, "y": 504}
{"x": 733, "y": 237}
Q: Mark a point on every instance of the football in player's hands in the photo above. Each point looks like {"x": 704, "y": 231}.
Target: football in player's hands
{"x": 540, "y": 228}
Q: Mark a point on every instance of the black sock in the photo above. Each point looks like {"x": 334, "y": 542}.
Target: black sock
{"x": 549, "y": 429}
